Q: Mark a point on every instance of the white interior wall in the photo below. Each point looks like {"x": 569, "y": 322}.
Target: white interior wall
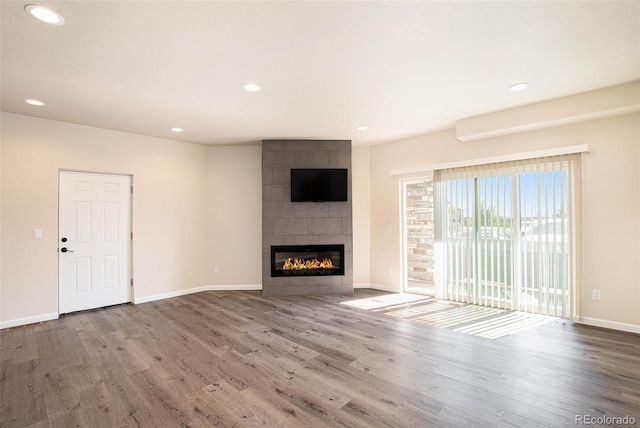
{"x": 361, "y": 206}
{"x": 180, "y": 228}
{"x": 234, "y": 217}
{"x": 610, "y": 204}
{"x": 168, "y": 208}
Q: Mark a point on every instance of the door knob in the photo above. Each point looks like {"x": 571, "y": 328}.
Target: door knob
{"x": 65, "y": 250}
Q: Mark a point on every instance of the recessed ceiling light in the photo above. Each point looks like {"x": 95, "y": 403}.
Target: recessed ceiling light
{"x": 519, "y": 86}
{"x": 362, "y": 127}
{"x": 37, "y": 103}
{"x": 44, "y": 14}
{"x": 251, "y": 87}
{"x": 175, "y": 129}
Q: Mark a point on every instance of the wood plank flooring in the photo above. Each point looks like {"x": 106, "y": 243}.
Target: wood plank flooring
{"x": 238, "y": 359}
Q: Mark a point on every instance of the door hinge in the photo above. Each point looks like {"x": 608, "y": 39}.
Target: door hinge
{"x": 131, "y": 235}
{"x": 131, "y": 189}
{"x": 132, "y": 282}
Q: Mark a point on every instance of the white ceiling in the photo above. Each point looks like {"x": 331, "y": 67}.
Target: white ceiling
{"x": 402, "y": 68}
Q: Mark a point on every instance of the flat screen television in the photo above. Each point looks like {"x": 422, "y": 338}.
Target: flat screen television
{"x": 318, "y": 185}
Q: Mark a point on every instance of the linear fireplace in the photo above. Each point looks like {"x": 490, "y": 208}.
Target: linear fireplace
{"x": 307, "y": 260}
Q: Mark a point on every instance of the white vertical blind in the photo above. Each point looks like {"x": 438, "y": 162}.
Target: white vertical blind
{"x": 506, "y": 234}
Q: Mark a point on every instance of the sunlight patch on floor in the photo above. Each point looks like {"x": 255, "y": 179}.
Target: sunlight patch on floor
{"x": 489, "y": 323}
{"x": 504, "y": 325}
{"x": 386, "y": 301}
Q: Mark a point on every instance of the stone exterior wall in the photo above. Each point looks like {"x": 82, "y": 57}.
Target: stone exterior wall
{"x": 301, "y": 223}
{"x": 420, "y": 232}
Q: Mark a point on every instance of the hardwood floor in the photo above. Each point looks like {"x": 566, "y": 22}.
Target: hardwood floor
{"x": 238, "y": 359}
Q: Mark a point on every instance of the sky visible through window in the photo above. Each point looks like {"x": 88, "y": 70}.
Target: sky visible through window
{"x": 541, "y": 195}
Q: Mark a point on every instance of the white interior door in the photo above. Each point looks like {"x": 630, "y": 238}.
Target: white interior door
{"x": 94, "y": 240}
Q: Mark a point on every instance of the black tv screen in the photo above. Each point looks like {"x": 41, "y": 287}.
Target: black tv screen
{"x": 318, "y": 185}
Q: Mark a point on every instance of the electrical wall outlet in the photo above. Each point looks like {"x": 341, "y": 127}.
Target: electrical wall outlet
{"x": 595, "y": 294}
{"x": 389, "y": 271}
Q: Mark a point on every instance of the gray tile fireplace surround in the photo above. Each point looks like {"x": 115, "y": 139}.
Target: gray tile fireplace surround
{"x": 304, "y": 223}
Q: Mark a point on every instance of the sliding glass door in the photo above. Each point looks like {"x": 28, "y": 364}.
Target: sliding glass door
{"x": 547, "y": 255}
{"x": 505, "y": 235}
{"x": 476, "y": 239}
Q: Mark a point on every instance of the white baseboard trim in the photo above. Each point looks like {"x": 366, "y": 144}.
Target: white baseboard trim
{"x": 385, "y": 288}
{"x": 631, "y": 328}
{"x": 362, "y": 285}
{"x": 177, "y": 293}
{"x": 28, "y": 320}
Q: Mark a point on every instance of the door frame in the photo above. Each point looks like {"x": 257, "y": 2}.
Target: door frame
{"x": 130, "y": 271}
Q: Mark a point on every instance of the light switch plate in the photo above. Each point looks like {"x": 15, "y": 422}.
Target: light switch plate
{"x": 37, "y": 233}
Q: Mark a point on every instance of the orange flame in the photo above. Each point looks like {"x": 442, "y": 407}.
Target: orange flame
{"x": 301, "y": 264}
